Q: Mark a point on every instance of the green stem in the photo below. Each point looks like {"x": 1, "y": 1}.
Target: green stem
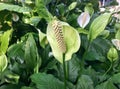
{"x": 64, "y": 68}
{"x": 108, "y": 69}
{"x": 82, "y": 62}
{"x": 83, "y": 58}
{"x": 67, "y": 70}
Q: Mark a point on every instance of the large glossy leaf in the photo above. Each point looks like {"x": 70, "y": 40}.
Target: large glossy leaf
{"x": 46, "y": 81}
{"x": 106, "y": 85}
{"x": 72, "y": 44}
{"x": 31, "y": 53}
{"x": 98, "y": 49}
{"x": 84, "y": 82}
{"x": 74, "y": 68}
{"x": 42, "y": 10}
{"x": 5, "y": 41}
{"x": 3, "y": 62}
{"x": 98, "y": 25}
{"x": 15, "y": 8}
{"x": 115, "y": 78}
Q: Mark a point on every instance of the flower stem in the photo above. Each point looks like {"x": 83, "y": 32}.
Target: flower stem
{"x": 108, "y": 69}
{"x": 84, "y": 55}
{"x": 64, "y": 68}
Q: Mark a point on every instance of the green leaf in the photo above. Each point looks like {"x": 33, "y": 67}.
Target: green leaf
{"x": 72, "y": 6}
{"x": 84, "y": 82}
{"x": 12, "y": 78}
{"x": 46, "y": 81}
{"x": 72, "y": 45}
{"x": 47, "y": 2}
{"x": 89, "y": 8}
{"x": 16, "y": 52}
{"x": 3, "y": 62}
{"x": 31, "y": 52}
{"x": 42, "y": 10}
{"x": 106, "y": 85}
{"x": 97, "y": 52}
{"x": 10, "y": 86}
{"x": 115, "y": 78}
{"x": 83, "y": 31}
{"x": 27, "y": 87}
{"x": 42, "y": 39}
{"x": 74, "y": 68}
{"x": 117, "y": 36}
{"x": 61, "y": 9}
{"x": 105, "y": 33}
{"x": 34, "y": 20}
{"x": 5, "y": 41}
{"x": 14, "y": 8}
{"x": 98, "y": 25}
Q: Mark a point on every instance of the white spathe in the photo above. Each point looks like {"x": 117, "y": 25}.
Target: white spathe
{"x": 83, "y": 19}
{"x": 116, "y": 43}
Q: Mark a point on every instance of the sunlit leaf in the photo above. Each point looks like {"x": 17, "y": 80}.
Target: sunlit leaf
{"x": 14, "y": 8}
{"x": 83, "y": 31}
{"x": 72, "y": 5}
{"x": 89, "y": 8}
{"x": 105, "y": 33}
{"x": 3, "y": 62}
{"x": 42, "y": 10}
{"x": 5, "y": 38}
{"x": 117, "y": 36}
{"x": 98, "y": 25}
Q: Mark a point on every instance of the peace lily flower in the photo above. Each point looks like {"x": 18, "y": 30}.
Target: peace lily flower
{"x": 15, "y": 17}
{"x": 83, "y": 19}
{"x": 63, "y": 39}
{"x": 116, "y": 43}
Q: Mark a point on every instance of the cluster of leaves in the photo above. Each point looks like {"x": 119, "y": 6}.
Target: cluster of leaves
{"x": 26, "y": 57}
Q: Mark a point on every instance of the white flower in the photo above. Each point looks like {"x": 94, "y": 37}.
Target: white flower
{"x": 15, "y": 17}
{"x": 83, "y": 19}
{"x": 116, "y": 43}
